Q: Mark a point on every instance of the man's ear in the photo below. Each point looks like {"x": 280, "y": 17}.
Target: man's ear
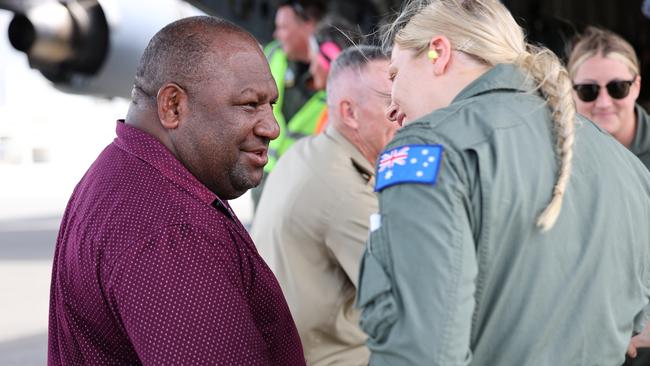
{"x": 172, "y": 105}
{"x": 441, "y": 45}
{"x": 348, "y": 114}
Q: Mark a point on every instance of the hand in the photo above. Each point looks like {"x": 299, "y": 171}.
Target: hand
{"x": 640, "y": 340}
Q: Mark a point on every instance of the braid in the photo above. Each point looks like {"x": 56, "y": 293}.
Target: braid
{"x": 554, "y": 83}
{"x": 486, "y": 30}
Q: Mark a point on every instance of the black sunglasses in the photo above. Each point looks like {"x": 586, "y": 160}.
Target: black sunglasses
{"x": 617, "y": 89}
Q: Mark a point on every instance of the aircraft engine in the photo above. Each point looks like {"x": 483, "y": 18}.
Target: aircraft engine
{"x": 91, "y": 47}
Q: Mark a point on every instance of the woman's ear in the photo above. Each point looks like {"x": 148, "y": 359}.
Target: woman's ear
{"x": 172, "y": 105}
{"x": 635, "y": 88}
{"x": 439, "y": 53}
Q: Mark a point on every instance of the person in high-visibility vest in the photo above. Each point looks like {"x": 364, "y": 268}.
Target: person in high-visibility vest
{"x": 304, "y": 119}
{"x": 288, "y": 55}
{"x": 332, "y": 35}
{"x": 299, "y": 104}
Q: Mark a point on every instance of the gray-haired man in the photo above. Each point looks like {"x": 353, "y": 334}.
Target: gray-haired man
{"x": 312, "y": 220}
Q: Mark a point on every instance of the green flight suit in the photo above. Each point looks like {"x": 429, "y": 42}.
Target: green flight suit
{"x": 641, "y": 143}
{"x": 457, "y": 273}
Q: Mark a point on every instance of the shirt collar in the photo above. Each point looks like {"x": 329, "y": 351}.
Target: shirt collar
{"x": 148, "y": 149}
{"x": 500, "y": 77}
{"x": 358, "y": 161}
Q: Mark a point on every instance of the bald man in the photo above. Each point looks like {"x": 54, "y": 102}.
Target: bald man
{"x": 152, "y": 266}
{"x": 312, "y": 220}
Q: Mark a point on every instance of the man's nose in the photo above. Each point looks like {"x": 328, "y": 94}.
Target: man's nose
{"x": 391, "y": 112}
{"x": 268, "y": 127}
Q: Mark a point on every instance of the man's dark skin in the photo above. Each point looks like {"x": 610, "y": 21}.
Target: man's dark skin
{"x": 218, "y": 120}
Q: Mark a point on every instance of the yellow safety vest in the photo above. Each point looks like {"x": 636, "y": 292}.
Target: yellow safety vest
{"x": 304, "y": 123}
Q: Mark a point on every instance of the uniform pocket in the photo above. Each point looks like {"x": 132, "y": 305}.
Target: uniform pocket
{"x": 374, "y": 297}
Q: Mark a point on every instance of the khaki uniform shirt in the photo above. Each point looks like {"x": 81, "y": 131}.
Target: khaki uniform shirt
{"x": 311, "y": 226}
{"x": 641, "y": 143}
{"x": 459, "y": 274}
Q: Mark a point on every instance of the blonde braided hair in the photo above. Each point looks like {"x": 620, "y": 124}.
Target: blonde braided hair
{"x": 485, "y": 30}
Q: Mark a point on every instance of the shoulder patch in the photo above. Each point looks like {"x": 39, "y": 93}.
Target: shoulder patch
{"x": 408, "y": 164}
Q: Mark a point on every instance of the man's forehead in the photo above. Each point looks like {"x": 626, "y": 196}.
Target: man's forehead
{"x": 376, "y": 72}
{"x": 379, "y": 65}
{"x": 285, "y": 14}
{"x": 230, "y": 43}
{"x": 248, "y": 65}
{"x": 239, "y": 66}
{"x": 253, "y": 86}
{"x": 240, "y": 58}
{"x": 254, "y": 79}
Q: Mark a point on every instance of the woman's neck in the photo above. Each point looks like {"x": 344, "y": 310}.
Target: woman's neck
{"x": 627, "y": 135}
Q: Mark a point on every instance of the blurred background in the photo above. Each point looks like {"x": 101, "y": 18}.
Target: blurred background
{"x": 66, "y": 69}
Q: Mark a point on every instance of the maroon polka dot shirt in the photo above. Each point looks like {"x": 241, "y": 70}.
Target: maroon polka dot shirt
{"x": 153, "y": 268}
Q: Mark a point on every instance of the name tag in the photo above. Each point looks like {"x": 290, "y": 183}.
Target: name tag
{"x": 375, "y": 222}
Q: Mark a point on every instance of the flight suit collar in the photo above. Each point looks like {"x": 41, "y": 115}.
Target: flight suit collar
{"x": 360, "y": 164}
{"x": 641, "y": 142}
{"x": 501, "y": 77}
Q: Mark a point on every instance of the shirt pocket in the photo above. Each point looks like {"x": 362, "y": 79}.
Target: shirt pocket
{"x": 374, "y": 296}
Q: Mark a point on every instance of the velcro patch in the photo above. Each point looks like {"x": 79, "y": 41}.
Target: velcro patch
{"x": 409, "y": 164}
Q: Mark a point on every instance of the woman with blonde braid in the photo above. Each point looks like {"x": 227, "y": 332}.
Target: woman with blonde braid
{"x": 509, "y": 230}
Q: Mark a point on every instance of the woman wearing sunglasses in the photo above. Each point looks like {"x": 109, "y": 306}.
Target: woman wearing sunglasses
{"x": 606, "y": 83}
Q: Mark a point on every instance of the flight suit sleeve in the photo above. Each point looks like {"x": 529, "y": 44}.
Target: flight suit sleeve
{"x": 417, "y": 278}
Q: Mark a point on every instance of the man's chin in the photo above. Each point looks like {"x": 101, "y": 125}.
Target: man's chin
{"x": 250, "y": 182}
{"x": 255, "y": 178}
{"x": 242, "y": 180}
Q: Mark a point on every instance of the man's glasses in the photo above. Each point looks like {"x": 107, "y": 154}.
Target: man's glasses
{"x": 617, "y": 89}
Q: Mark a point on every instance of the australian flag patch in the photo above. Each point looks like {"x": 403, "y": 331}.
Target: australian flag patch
{"x": 408, "y": 164}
